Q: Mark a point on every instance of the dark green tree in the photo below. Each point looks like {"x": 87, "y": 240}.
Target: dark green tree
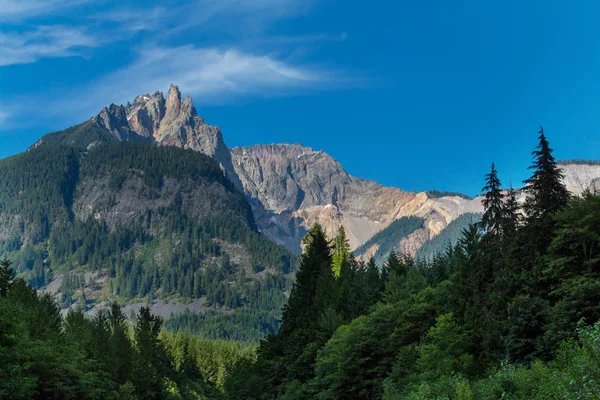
{"x": 546, "y": 193}
{"x": 512, "y": 215}
{"x": 7, "y": 276}
{"x": 493, "y": 203}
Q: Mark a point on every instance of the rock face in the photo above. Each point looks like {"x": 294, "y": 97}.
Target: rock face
{"x": 290, "y": 187}
{"x": 581, "y": 177}
{"x": 170, "y": 122}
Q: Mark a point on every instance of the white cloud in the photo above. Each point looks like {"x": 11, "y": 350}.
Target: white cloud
{"x": 41, "y": 42}
{"x": 20, "y": 9}
{"x": 211, "y": 75}
{"x": 25, "y": 41}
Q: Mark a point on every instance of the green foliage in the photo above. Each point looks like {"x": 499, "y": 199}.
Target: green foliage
{"x": 491, "y": 316}
{"x": 78, "y": 136}
{"x": 175, "y": 250}
{"x": 493, "y": 203}
{"x": 341, "y": 251}
{"x": 44, "y": 356}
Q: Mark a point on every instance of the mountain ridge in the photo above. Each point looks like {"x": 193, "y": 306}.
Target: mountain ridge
{"x": 289, "y": 186}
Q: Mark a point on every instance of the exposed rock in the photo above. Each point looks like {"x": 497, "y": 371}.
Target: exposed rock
{"x": 170, "y": 122}
{"x": 291, "y": 187}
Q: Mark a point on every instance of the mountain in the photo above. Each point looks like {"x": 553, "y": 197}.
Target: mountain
{"x": 141, "y": 223}
{"x": 153, "y": 119}
{"x": 290, "y": 187}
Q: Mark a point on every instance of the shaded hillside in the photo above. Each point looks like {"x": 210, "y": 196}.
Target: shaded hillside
{"x": 136, "y": 221}
{"x": 448, "y": 237}
{"x": 380, "y": 245}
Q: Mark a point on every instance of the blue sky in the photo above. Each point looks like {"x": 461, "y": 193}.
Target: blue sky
{"x": 417, "y": 95}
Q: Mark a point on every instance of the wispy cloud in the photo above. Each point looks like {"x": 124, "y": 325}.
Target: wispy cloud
{"x": 3, "y": 117}
{"x": 41, "y": 42}
{"x": 244, "y": 56}
{"x": 210, "y": 75}
{"x": 21, "y": 9}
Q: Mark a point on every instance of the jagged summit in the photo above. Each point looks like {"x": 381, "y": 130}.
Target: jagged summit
{"x": 168, "y": 121}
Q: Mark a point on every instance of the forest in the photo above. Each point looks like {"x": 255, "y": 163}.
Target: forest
{"x": 511, "y": 310}
{"x": 194, "y": 234}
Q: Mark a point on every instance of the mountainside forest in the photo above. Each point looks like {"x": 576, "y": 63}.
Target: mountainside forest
{"x": 510, "y": 310}
{"x": 140, "y": 223}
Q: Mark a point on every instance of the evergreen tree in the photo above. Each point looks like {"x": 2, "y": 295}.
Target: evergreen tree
{"x": 546, "y": 193}
{"x": 341, "y": 251}
{"x": 493, "y": 203}
{"x": 121, "y": 353}
{"x": 397, "y": 264}
{"x": 314, "y": 272}
{"x": 7, "y": 276}
{"x": 149, "y": 353}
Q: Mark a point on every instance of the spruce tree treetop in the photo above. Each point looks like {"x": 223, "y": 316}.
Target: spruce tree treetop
{"x": 492, "y": 202}
{"x": 545, "y": 189}
{"x": 315, "y": 267}
{"x": 512, "y": 215}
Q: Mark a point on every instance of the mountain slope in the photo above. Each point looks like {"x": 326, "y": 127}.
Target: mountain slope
{"x": 137, "y": 221}
{"x": 291, "y": 187}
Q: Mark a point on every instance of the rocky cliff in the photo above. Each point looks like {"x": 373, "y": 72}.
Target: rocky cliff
{"x": 291, "y": 187}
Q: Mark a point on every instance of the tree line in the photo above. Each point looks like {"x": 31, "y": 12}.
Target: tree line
{"x": 510, "y": 311}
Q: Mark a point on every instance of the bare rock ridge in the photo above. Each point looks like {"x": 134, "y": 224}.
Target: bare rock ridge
{"x": 290, "y": 187}
{"x": 170, "y": 122}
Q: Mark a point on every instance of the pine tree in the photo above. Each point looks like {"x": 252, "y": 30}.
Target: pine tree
{"x": 341, "y": 251}
{"x": 545, "y": 189}
{"x": 7, "y": 276}
{"x": 150, "y": 354}
{"x": 120, "y": 348}
{"x": 492, "y": 202}
{"x": 397, "y": 264}
{"x": 546, "y": 194}
{"x": 314, "y": 271}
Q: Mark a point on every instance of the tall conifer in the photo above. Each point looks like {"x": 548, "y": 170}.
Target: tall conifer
{"x": 546, "y": 194}
{"x": 492, "y": 202}
{"x": 341, "y": 251}
{"x": 545, "y": 189}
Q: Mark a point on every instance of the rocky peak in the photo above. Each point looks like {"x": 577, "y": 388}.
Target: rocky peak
{"x": 173, "y": 104}
{"x": 169, "y": 122}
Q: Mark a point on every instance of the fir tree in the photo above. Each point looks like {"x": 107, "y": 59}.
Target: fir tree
{"x": 314, "y": 271}
{"x": 341, "y": 251}
{"x": 7, "y": 276}
{"x": 545, "y": 189}
{"x": 492, "y": 202}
